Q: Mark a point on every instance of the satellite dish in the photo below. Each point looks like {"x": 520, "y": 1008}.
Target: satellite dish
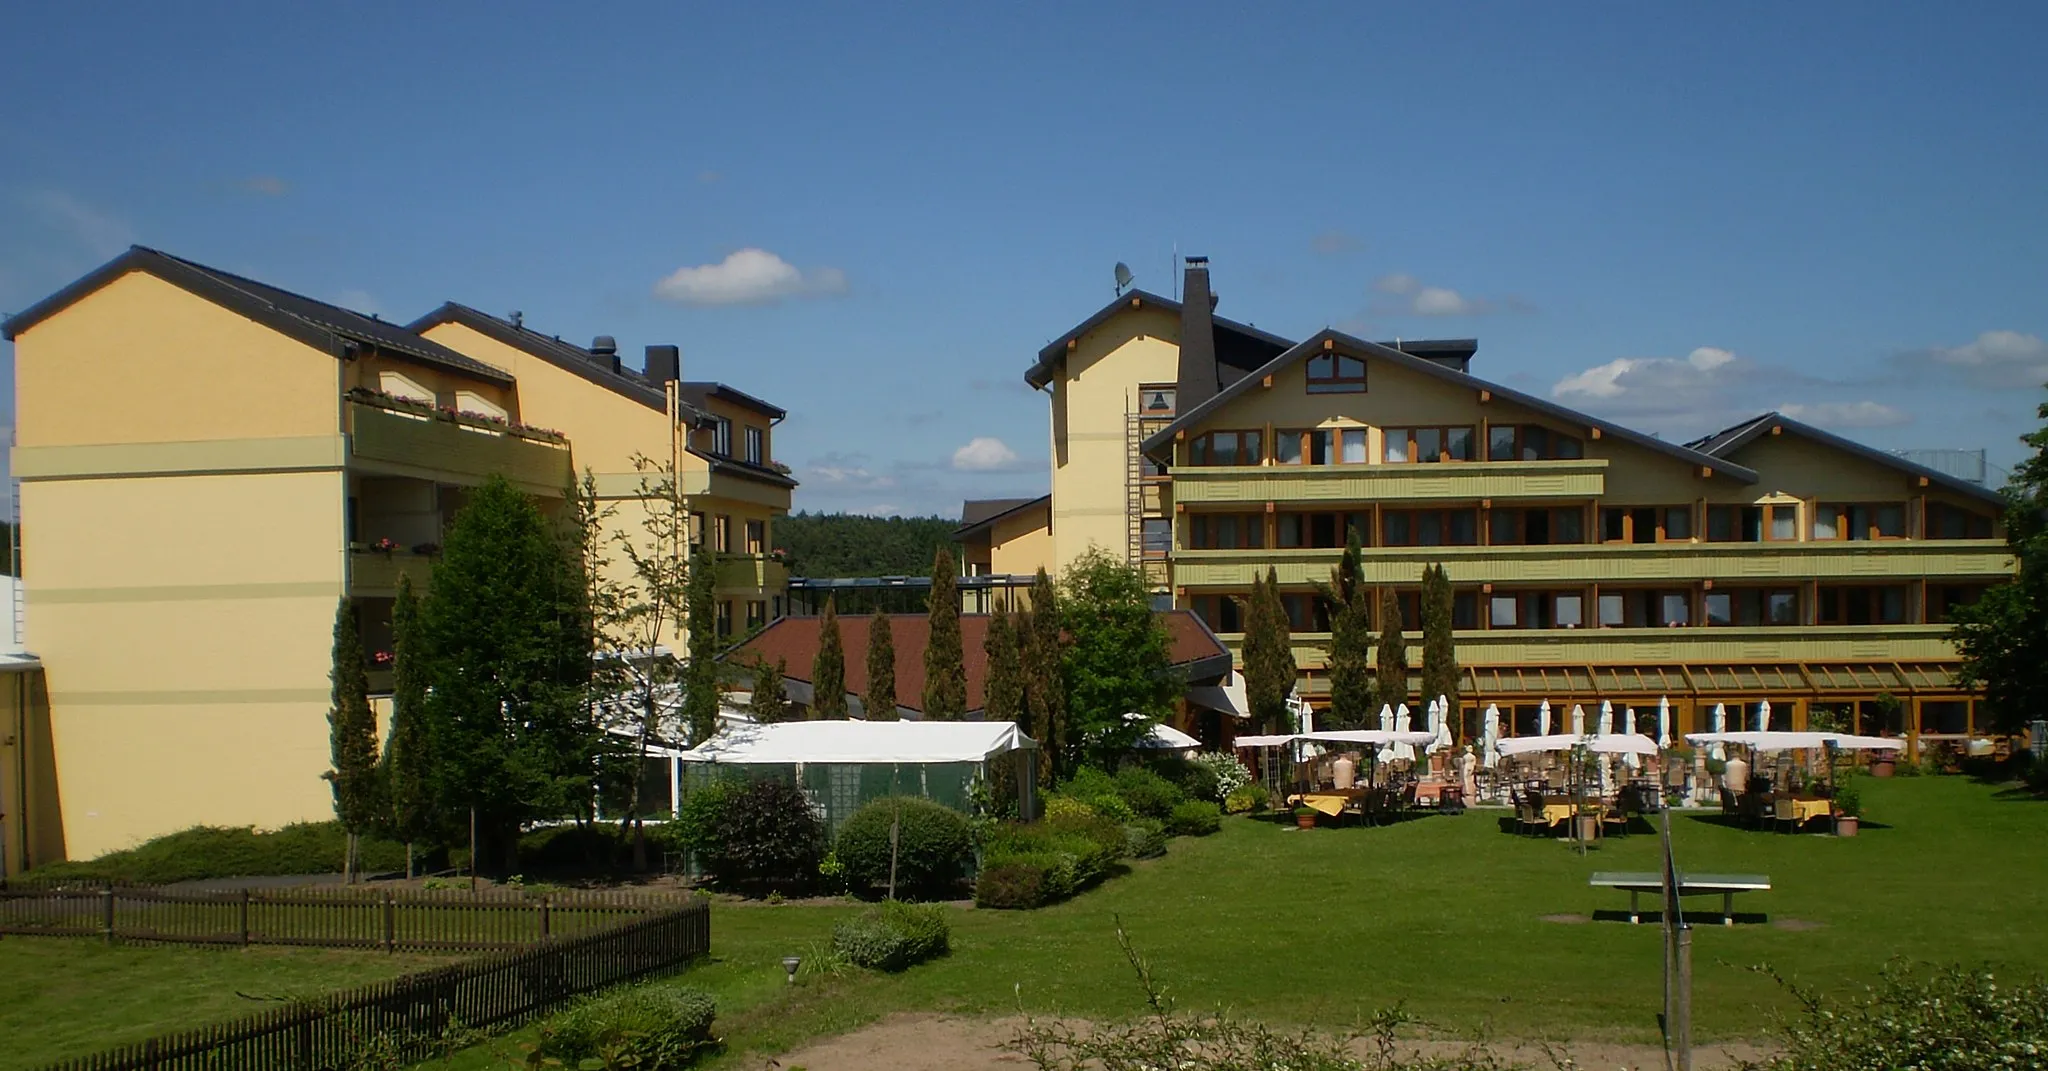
{"x": 1123, "y": 277}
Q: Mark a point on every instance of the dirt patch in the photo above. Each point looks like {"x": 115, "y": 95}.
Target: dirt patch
{"x": 1796, "y": 925}
{"x": 1569, "y": 920}
{"x": 947, "y": 1043}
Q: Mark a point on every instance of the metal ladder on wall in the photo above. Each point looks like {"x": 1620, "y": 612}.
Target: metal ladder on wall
{"x": 1134, "y": 488}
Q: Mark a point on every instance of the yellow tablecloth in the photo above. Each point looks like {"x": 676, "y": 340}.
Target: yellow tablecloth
{"x": 1553, "y": 813}
{"x": 1807, "y": 810}
{"x": 1330, "y": 803}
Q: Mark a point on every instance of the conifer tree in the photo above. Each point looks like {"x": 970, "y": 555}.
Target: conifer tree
{"x": 700, "y": 672}
{"x": 1280, "y": 650}
{"x": 1352, "y": 702}
{"x": 1003, "y": 694}
{"x": 828, "y": 668}
{"x": 945, "y": 672}
{"x": 1265, "y": 691}
{"x": 879, "y": 703}
{"x": 1439, "y": 653}
{"x": 1045, "y": 687}
{"x": 352, "y": 735}
{"x": 767, "y": 705}
{"x": 1390, "y": 666}
{"x": 406, "y": 760}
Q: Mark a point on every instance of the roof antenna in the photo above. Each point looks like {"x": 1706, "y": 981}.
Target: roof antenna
{"x": 1173, "y": 270}
{"x": 1123, "y": 278}
{"x": 518, "y": 318}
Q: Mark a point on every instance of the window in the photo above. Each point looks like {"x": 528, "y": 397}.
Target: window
{"x": 1535, "y": 609}
{"x": 1942, "y": 598}
{"x": 1464, "y": 610}
{"x": 1530, "y": 442}
{"x": 698, "y": 531}
{"x": 1735, "y": 524}
{"x": 1158, "y": 537}
{"x": 1225, "y": 448}
{"x": 1784, "y": 524}
{"x": 1226, "y": 531}
{"x": 1645, "y": 609}
{"x": 757, "y": 614}
{"x": 1427, "y": 444}
{"x": 757, "y": 446}
{"x": 724, "y": 617}
{"x": 721, "y": 533}
{"x": 778, "y": 608}
{"x": 1320, "y": 530}
{"x": 1752, "y": 607}
{"x": 1156, "y": 401}
{"x": 1306, "y": 612}
{"x": 757, "y": 537}
{"x": 1319, "y": 446}
{"x": 721, "y": 437}
{"x": 1222, "y": 613}
{"x": 1334, "y": 373}
{"x": 1948, "y": 522}
{"x": 1429, "y": 528}
{"x": 1944, "y": 717}
{"x": 1536, "y": 527}
{"x": 1645, "y": 524}
{"x": 1846, "y": 605}
{"x": 1833, "y": 520}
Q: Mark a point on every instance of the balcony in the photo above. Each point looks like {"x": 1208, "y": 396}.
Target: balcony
{"x": 1465, "y": 481}
{"x": 1600, "y": 563}
{"x": 416, "y": 441}
{"x": 751, "y": 573}
{"x": 374, "y": 574}
{"x": 1614, "y": 646}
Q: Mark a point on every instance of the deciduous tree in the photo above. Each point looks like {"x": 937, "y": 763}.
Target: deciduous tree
{"x": 2003, "y": 636}
{"x": 1117, "y": 662}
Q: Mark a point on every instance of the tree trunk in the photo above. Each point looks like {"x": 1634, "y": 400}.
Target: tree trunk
{"x": 408, "y": 861}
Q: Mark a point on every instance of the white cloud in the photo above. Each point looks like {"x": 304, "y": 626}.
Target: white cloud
{"x": 985, "y": 454}
{"x": 1654, "y": 384}
{"x": 1998, "y": 360}
{"x": 101, "y": 234}
{"x": 1863, "y": 414}
{"x": 1407, "y": 294}
{"x": 748, "y": 277}
{"x": 843, "y": 472}
{"x": 1333, "y": 242}
{"x": 359, "y": 301}
{"x": 265, "y": 186}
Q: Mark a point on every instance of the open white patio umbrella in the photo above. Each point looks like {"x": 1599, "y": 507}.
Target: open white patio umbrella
{"x": 1578, "y": 720}
{"x": 1628, "y": 728}
{"x": 1606, "y": 718}
{"x": 1720, "y": 725}
{"x": 1543, "y": 719}
{"x": 1490, "y": 749}
{"x": 1763, "y": 716}
{"x": 1663, "y": 721}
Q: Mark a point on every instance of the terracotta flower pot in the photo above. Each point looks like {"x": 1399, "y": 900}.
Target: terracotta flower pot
{"x": 1305, "y": 821}
{"x": 1845, "y": 825}
{"x": 1882, "y": 767}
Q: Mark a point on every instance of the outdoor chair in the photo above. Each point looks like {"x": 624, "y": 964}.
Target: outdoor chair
{"x": 1731, "y": 807}
{"x": 1783, "y": 817}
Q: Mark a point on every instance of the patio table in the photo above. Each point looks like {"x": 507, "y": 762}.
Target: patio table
{"x": 1639, "y": 882}
{"x": 1329, "y": 803}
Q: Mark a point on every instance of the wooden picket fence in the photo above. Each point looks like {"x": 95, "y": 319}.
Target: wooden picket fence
{"x": 411, "y": 1018}
{"x": 418, "y": 920}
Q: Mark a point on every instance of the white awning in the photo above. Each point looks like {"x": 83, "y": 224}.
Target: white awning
{"x": 788, "y": 743}
{"x": 1365, "y": 737}
{"x": 1791, "y": 741}
{"x": 1168, "y": 738}
{"x": 1608, "y": 744}
{"x": 1227, "y": 697}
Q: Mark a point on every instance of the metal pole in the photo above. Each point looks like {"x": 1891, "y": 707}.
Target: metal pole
{"x": 1684, "y": 1030}
{"x": 472, "y": 851}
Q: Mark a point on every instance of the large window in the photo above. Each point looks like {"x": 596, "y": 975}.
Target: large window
{"x": 1334, "y": 373}
{"x": 1225, "y": 448}
{"x": 721, "y": 533}
{"x": 1645, "y": 524}
{"x": 1942, "y": 598}
{"x": 721, "y": 437}
{"x": 1226, "y": 531}
{"x": 1949, "y": 522}
{"x": 1156, "y": 401}
{"x": 1158, "y": 537}
{"x": 1530, "y": 442}
{"x": 1784, "y": 524}
{"x": 1320, "y": 530}
{"x": 1861, "y": 605}
{"x": 1645, "y": 609}
{"x": 1536, "y": 527}
{"x": 1429, "y": 528}
{"x": 1464, "y": 610}
{"x": 1319, "y": 446}
{"x": 757, "y": 446}
{"x": 1222, "y": 613}
{"x": 699, "y": 530}
{"x": 1834, "y": 520}
{"x": 724, "y": 618}
{"x": 757, "y": 537}
{"x": 1535, "y": 609}
{"x": 1752, "y": 606}
{"x": 1306, "y": 612}
{"x": 1427, "y": 444}
{"x": 1735, "y": 524}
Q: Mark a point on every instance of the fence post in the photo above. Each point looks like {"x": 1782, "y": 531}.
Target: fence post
{"x": 245, "y": 916}
{"x": 390, "y": 921}
{"x": 546, "y": 909}
{"x": 107, "y": 911}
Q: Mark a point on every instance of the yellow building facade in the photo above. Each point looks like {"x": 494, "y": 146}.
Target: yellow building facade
{"x": 207, "y": 464}
{"x": 1771, "y": 561}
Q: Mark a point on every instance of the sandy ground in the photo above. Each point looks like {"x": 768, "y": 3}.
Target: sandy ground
{"x": 945, "y": 1043}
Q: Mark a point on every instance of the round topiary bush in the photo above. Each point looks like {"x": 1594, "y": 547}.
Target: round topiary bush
{"x": 1194, "y": 819}
{"x": 893, "y": 937}
{"x": 1148, "y": 794}
{"x": 933, "y": 846}
{"x": 762, "y": 835}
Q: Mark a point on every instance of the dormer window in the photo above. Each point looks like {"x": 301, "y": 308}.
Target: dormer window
{"x": 400, "y": 385}
{"x": 1334, "y": 373}
{"x": 1156, "y": 401}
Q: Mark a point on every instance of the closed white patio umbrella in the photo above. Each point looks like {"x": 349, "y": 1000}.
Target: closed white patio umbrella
{"x": 1663, "y": 721}
{"x": 1720, "y": 725}
{"x": 1404, "y": 721}
{"x": 1543, "y": 719}
{"x": 1628, "y": 728}
{"x": 1490, "y": 750}
{"x": 1763, "y": 716}
{"x": 1443, "y": 724}
{"x": 1606, "y": 718}
{"x": 1578, "y": 720}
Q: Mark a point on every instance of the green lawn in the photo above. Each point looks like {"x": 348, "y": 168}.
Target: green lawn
{"x": 69, "y": 997}
{"x": 1444, "y": 914}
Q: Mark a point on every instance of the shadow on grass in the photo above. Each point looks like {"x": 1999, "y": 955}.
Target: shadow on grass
{"x": 1700, "y": 918}
{"x": 1816, "y": 827}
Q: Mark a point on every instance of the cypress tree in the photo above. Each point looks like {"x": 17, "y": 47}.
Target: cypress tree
{"x": 1390, "y": 668}
{"x": 1280, "y": 648}
{"x": 351, "y": 735}
{"x": 1003, "y": 694}
{"x": 700, "y": 672}
{"x": 767, "y": 706}
{"x": 1439, "y": 654}
{"x": 879, "y": 704}
{"x": 828, "y": 669}
{"x": 406, "y": 759}
{"x": 1350, "y": 660}
{"x": 1045, "y": 686}
{"x": 945, "y": 672}
{"x": 1264, "y": 692}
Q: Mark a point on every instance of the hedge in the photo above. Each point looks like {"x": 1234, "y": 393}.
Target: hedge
{"x": 229, "y": 852}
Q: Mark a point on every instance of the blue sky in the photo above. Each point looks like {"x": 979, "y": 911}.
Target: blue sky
{"x": 1674, "y": 217}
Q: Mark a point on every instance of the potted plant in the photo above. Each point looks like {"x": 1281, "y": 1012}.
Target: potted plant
{"x": 1848, "y": 808}
{"x": 1305, "y": 817}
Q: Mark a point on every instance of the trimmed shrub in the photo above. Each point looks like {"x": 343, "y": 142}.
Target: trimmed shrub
{"x": 695, "y": 826}
{"x": 933, "y": 846}
{"x": 1194, "y": 819}
{"x": 653, "y": 1027}
{"x": 1066, "y": 807}
{"x": 1089, "y": 846}
{"x": 1100, "y": 792}
{"x": 1015, "y": 884}
{"x": 892, "y": 937}
{"x": 1144, "y": 839}
{"x": 1231, "y": 774}
{"x": 1147, "y": 793}
{"x": 1055, "y": 869}
{"x": 573, "y": 847}
{"x": 1245, "y": 799}
{"x": 229, "y": 852}
{"x": 763, "y": 836}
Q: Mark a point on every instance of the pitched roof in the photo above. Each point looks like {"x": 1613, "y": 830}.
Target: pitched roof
{"x": 794, "y": 640}
{"x": 697, "y": 393}
{"x": 1425, "y": 366}
{"x": 978, "y": 514}
{"x": 1729, "y": 440}
{"x": 550, "y": 348}
{"x": 1239, "y": 346}
{"x": 318, "y": 324}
